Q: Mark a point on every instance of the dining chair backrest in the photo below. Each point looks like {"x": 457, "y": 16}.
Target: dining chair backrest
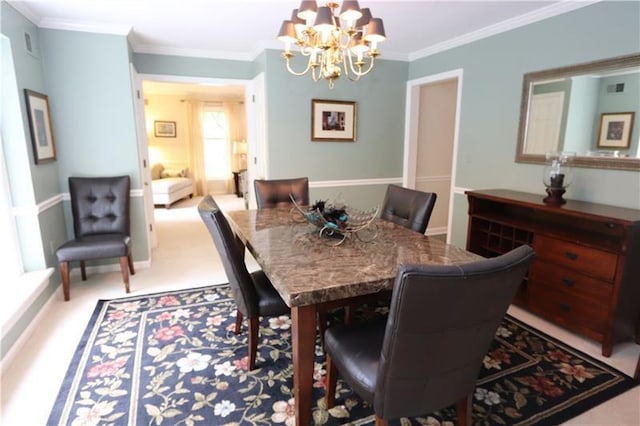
{"x": 408, "y": 207}
{"x": 441, "y": 323}
{"x": 275, "y": 192}
{"x": 231, "y": 251}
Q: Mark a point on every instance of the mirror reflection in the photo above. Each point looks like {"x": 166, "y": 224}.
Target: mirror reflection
{"x": 591, "y": 109}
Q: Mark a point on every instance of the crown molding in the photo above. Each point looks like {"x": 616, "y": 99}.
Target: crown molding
{"x": 58, "y": 24}
{"x": 25, "y": 10}
{"x": 193, "y": 53}
{"x": 507, "y": 25}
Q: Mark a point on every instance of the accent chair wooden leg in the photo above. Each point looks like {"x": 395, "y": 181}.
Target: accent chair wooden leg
{"x": 130, "y": 261}
{"x": 124, "y": 268}
{"x": 463, "y": 411}
{"x": 64, "y": 273}
{"x": 332, "y": 380}
{"x": 254, "y": 324}
{"x": 637, "y": 375}
{"x": 238, "y": 322}
{"x": 381, "y": 422}
{"x": 83, "y": 270}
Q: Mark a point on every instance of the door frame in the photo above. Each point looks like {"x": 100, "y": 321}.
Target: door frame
{"x": 412, "y": 121}
{"x": 143, "y": 158}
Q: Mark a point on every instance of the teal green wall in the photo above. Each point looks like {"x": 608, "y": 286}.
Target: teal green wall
{"x": 377, "y": 151}
{"x": 193, "y": 67}
{"x": 89, "y": 83}
{"x": 30, "y": 185}
{"x": 492, "y": 85}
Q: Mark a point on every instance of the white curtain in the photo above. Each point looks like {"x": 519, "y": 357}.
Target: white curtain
{"x": 196, "y": 146}
{"x": 236, "y": 123}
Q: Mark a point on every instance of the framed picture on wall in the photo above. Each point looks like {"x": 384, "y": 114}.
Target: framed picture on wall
{"x": 44, "y": 149}
{"x": 164, "y": 129}
{"x": 333, "y": 120}
{"x": 615, "y": 130}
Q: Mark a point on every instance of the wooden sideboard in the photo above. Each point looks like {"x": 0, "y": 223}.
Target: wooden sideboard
{"x": 586, "y": 272}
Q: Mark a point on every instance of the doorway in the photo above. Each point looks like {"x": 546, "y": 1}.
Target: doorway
{"x": 172, "y": 150}
{"x": 433, "y": 105}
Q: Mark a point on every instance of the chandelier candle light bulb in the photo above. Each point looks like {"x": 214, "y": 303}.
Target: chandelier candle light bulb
{"x": 331, "y": 41}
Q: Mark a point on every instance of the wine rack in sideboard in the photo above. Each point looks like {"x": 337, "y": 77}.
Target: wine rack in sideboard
{"x": 586, "y": 272}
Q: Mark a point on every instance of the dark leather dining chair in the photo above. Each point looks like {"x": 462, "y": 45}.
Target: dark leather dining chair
{"x": 253, "y": 293}
{"x": 275, "y": 192}
{"x": 408, "y": 207}
{"x": 101, "y": 225}
{"x": 427, "y": 354}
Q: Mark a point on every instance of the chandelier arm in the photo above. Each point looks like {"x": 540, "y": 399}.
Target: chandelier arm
{"x": 295, "y": 72}
{"x": 359, "y": 72}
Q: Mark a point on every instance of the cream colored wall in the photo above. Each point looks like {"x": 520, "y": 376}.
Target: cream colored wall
{"x": 435, "y": 147}
{"x": 171, "y": 152}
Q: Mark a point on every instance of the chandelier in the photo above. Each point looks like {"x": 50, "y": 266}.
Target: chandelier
{"x": 343, "y": 44}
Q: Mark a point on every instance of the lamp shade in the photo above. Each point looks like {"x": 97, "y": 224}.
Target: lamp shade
{"x": 364, "y": 19}
{"x": 375, "y": 31}
{"x": 350, "y": 11}
{"x": 307, "y": 10}
{"x": 287, "y": 32}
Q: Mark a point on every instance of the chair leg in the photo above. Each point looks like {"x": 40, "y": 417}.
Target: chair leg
{"x": 332, "y": 380}
{"x": 124, "y": 268}
{"x": 463, "y": 411}
{"x": 130, "y": 261}
{"x": 381, "y": 422}
{"x": 238, "y": 321}
{"x": 253, "y": 341}
{"x": 83, "y": 270}
{"x": 64, "y": 272}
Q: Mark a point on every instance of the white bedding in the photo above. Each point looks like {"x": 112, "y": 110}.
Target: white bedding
{"x": 169, "y": 190}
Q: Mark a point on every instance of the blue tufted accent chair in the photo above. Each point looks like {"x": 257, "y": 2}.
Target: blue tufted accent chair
{"x": 101, "y": 224}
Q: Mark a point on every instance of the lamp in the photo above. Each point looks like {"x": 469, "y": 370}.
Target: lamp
{"x": 346, "y": 43}
{"x": 240, "y": 149}
{"x": 557, "y": 175}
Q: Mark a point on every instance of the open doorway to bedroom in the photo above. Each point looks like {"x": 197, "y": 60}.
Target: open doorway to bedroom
{"x": 196, "y": 137}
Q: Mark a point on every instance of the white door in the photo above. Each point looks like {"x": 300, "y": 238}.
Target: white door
{"x": 143, "y": 156}
{"x": 545, "y": 121}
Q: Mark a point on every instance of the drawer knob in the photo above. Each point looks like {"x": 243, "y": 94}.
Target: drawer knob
{"x": 564, "y": 307}
{"x": 567, "y": 282}
{"x": 570, "y": 255}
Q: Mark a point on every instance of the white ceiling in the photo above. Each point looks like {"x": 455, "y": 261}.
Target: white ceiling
{"x": 240, "y": 29}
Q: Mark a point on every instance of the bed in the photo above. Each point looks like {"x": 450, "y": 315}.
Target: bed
{"x": 169, "y": 185}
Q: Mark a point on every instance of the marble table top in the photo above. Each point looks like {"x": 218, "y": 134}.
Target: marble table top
{"x": 306, "y": 270}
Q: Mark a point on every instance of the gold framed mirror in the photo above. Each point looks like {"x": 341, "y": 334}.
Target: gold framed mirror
{"x": 592, "y": 109}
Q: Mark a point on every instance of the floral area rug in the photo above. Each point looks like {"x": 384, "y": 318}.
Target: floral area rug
{"x": 173, "y": 359}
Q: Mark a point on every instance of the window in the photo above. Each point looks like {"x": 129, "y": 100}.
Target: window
{"x": 10, "y": 262}
{"x": 216, "y": 142}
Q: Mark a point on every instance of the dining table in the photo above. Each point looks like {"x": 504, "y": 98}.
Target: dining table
{"x": 312, "y": 274}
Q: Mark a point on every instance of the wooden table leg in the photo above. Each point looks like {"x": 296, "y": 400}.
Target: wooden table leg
{"x": 303, "y": 319}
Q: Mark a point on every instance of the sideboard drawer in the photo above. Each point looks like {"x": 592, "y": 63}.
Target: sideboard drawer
{"x": 597, "y": 263}
{"x": 567, "y": 308}
{"x": 568, "y": 280}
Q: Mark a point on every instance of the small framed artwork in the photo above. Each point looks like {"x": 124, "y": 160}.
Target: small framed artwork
{"x": 333, "y": 120}
{"x": 44, "y": 149}
{"x": 164, "y": 129}
{"x": 615, "y": 130}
